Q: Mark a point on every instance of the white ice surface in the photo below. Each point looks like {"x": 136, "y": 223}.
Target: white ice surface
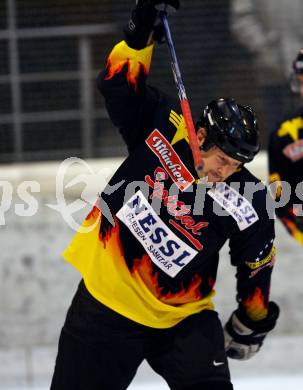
{"x": 264, "y": 383}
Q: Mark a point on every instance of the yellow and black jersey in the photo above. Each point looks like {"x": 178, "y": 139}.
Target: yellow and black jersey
{"x": 285, "y": 154}
{"x": 149, "y": 249}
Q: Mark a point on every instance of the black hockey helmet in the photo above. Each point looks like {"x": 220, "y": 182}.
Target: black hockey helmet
{"x": 297, "y": 69}
{"x": 231, "y": 127}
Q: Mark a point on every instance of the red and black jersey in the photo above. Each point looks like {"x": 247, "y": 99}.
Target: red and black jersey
{"x": 285, "y": 154}
{"x": 152, "y": 242}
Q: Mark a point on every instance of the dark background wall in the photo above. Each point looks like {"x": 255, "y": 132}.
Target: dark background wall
{"x": 49, "y": 106}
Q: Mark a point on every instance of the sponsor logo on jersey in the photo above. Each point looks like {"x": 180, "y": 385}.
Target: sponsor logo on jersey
{"x": 180, "y": 125}
{"x": 188, "y": 226}
{"x": 259, "y": 265}
{"x": 263, "y": 262}
{"x": 291, "y": 128}
{"x": 294, "y": 151}
{"x": 216, "y": 364}
{"x": 165, "y": 249}
{"x": 235, "y": 204}
{"x": 170, "y": 160}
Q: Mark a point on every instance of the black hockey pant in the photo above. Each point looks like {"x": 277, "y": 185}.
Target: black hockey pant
{"x": 101, "y": 350}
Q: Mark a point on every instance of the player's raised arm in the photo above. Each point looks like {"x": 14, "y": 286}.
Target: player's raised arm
{"x": 130, "y": 103}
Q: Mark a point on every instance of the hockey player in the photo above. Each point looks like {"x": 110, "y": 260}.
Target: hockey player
{"x": 149, "y": 262}
{"x": 285, "y": 155}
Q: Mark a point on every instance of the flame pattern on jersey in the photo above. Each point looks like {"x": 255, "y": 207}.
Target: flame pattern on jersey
{"x": 143, "y": 267}
{"x": 275, "y": 180}
{"x": 137, "y": 61}
{"x": 124, "y": 278}
{"x": 292, "y": 228}
{"x": 255, "y": 305}
{"x": 150, "y": 278}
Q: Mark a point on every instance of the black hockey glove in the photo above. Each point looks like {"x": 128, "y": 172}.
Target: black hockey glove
{"x": 244, "y": 337}
{"x": 142, "y": 21}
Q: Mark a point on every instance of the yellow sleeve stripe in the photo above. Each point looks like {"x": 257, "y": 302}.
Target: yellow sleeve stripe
{"x": 267, "y": 259}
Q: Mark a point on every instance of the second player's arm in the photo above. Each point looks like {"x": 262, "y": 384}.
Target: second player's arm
{"x": 279, "y": 169}
{"x": 130, "y": 103}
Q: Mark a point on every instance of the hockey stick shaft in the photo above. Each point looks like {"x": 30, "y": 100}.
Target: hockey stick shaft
{"x": 185, "y": 107}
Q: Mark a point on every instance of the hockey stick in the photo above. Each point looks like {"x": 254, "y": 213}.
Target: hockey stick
{"x": 186, "y": 111}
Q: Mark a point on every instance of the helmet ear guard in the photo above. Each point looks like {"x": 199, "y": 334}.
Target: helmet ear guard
{"x": 231, "y": 127}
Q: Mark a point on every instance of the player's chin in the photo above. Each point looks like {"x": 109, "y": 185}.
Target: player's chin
{"x": 214, "y": 178}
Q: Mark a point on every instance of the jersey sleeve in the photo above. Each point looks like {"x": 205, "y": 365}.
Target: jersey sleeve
{"x": 131, "y": 104}
{"x": 252, "y": 251}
